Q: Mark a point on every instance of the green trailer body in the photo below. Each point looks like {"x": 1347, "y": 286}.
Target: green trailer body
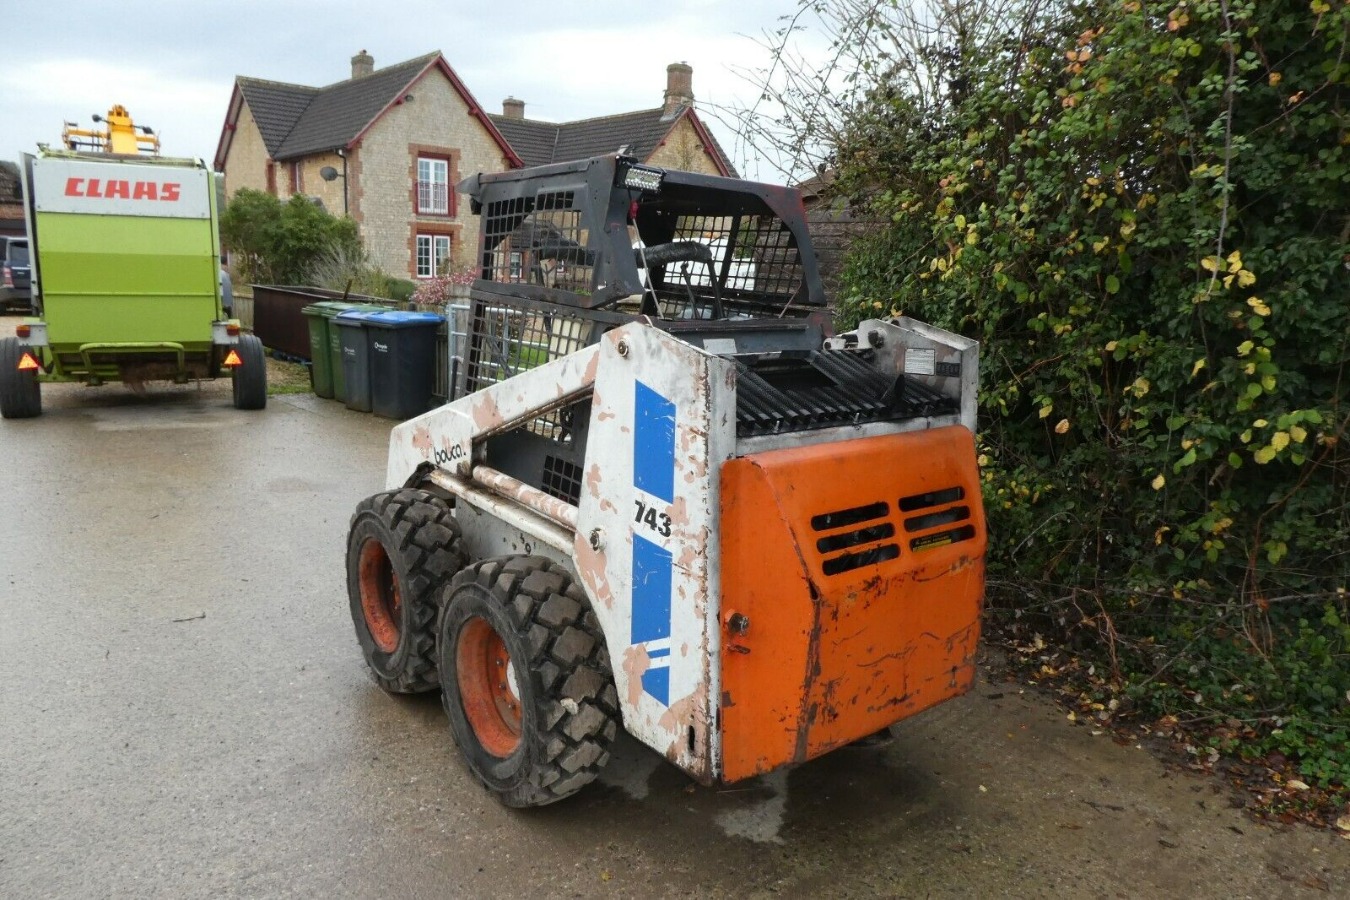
{"x": 126, "y": 275}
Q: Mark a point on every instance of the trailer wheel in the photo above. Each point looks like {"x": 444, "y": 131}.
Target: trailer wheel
{"x": 402, "y": 549}
{"x": 20, "y": 393}
{"x": 526, "y": 679}
{"x": 250, "y": 377}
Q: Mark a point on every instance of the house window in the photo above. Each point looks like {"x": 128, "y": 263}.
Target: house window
{"x": 433, "y": 186}
{"x": 433, "y": 250}
{"x": 517, "y": 267}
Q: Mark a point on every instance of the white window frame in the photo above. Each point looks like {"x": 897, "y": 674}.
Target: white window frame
{"x": 428, "y": 260}
{"x": 433, "y": 186}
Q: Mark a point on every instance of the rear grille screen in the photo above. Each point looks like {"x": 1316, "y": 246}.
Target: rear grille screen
{"x": 825, "y": 388}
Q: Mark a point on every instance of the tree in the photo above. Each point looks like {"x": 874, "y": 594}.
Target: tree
{"x": 1141, "y": 209}
{"x": 278, "y": 243}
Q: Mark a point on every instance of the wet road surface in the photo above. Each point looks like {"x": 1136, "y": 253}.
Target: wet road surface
{"x": 184, "y": 713}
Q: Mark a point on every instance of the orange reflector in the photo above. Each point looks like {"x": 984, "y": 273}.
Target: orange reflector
{"x": 232, "y": 360}
{"x": 23, "y": 331}
{"x": 27, "y": 363}
{"x": 232, "y": 330}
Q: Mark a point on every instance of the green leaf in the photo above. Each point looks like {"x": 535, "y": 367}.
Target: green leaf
{"x": 1112, "y": 284}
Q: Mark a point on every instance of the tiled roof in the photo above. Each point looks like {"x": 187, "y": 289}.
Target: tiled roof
{"x": 276, "y": 107}
{"x": 540, "y": 143}
{"x": 296, "y": 120}
{"x": 533, "y": 141}
{"x": 339, "y": 112}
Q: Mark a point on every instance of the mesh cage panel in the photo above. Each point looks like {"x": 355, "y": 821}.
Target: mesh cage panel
{"x": 508, "y": 339}
{"x": 538, "y": 240}
{"x": 751, "y": 261}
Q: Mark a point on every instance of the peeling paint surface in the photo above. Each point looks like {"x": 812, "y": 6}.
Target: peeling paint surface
{"x": 857, "y": 570}
{"x": 445, "y": 436}
{"x": 647, "y": 513}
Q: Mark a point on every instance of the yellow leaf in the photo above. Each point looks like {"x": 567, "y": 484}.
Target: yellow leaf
{"x": 1195, "y": 369}
{"x": 972, "y": 237}
{"x": 1111, "y": 346}
{"x": 1275, "y": 78}
{"x": 1062, "y": 427}
{"x": 1264, "y": 455}
{"x": 1046, "y": 410}
{"x": 1141, "y": 386}
{"x": 1245, "y": 347}
{"x": 1279, "y": 440}
{"x": 960, "y": 221}
{"x": 1159, "y": 483}
{"x": 1235, "y": 261}
{"x": 1258, "y": 306}
{"x": 1298, "y": 433}
{"x": 1246, "y": 278}
{"x": 1260, "y": 423}
{"x": 1159, "y": 534}
{"x": 1210, "y": 264}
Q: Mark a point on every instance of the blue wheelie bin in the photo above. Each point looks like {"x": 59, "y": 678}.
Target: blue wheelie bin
{"x": 402, "y": 361}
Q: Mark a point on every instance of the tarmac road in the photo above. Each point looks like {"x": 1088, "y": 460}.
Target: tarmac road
{"x": 184, "y": 713}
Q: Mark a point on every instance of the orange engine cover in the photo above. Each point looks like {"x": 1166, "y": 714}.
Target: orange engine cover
{"x": 852, "y": 579}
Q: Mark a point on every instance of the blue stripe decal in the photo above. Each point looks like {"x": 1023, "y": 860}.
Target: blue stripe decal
{"x": 656, "y": 682}
{"x": 653, "y": 443}
{"x": 652, "y": 573}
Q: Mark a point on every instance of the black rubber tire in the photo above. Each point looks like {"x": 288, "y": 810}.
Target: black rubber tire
{"x": 569, "y": 707}
{"x": 410, "y": 543}
{"x": 250, "y": 377}
{"x": 20, "y": 393}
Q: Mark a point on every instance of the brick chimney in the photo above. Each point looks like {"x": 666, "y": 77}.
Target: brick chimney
{"x": 679, "y": 87}
{"x": 363, "y": 64}
{"x": 513, "y": 108}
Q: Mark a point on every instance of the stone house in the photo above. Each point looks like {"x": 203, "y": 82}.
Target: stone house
{"x": 396, "y": 141}
{"x": 11, "y": 200}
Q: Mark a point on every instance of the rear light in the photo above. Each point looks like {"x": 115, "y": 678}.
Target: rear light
{"x": 232, "y": 330}
{"x": 8, "y": 276}
{"x": 23, "y": 331}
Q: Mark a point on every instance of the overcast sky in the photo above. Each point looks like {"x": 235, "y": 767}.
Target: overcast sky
{"x": 172, "y": 63}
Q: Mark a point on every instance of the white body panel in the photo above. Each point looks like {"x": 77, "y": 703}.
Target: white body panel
{"x": 662, "y": 422}
{"x": 120, "y": 189}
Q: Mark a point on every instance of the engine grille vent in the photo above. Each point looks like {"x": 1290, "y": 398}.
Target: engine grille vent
{"x": 859, "y": 530}
{"x": 824, "y": 388}
{"x": 860, "y": 536}
{"x": 936, "y": 509}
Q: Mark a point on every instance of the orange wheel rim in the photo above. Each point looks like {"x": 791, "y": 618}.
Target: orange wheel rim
{"x": 380, "y": 599}
{"x": 487, "y": 687}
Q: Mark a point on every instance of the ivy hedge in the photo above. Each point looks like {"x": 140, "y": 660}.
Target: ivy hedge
{"x": 1142, "y": 211}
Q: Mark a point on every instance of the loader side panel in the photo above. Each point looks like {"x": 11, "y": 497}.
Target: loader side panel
{"x": 852, "y": 578}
